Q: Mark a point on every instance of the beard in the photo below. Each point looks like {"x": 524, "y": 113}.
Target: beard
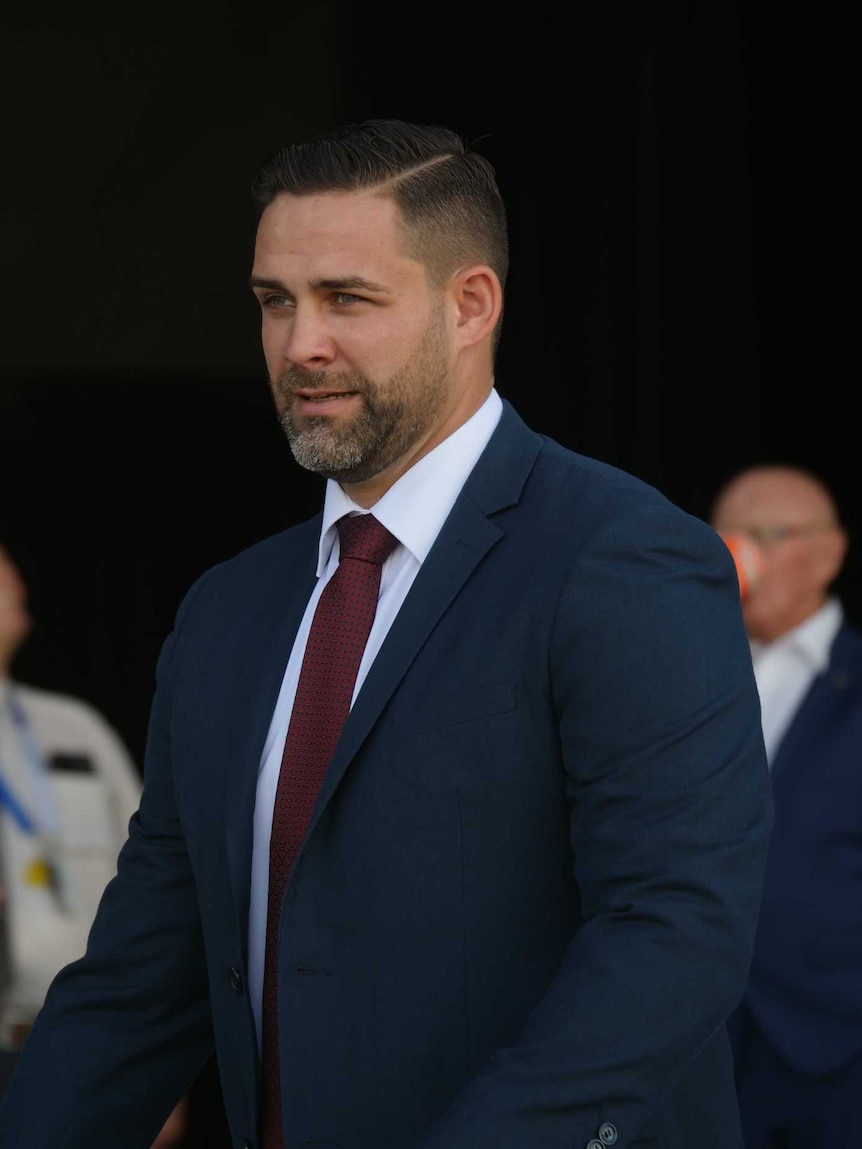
{"x": 394, "y": 415}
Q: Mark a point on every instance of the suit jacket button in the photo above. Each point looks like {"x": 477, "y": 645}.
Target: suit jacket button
{"x": 247, "y": 1144}
{"x": 608, "y": 1134}
{"x": 595, "y": 1144}
{"x": 235, "y": 979}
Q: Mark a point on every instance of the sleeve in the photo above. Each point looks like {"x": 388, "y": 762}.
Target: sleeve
{"x": 670, "y": 814}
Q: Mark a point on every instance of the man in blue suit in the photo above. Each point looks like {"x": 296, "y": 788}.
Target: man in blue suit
{"x": 524, "y": 903}
{"x": 798, "y": 1032}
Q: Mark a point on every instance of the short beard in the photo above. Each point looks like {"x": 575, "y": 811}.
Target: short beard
{"x": 393, "y": 416}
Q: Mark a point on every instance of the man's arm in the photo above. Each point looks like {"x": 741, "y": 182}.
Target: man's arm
{"x": 670, "y": 815}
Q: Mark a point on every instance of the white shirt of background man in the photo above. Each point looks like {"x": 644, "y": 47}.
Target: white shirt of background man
{"x": 785, "y": 670}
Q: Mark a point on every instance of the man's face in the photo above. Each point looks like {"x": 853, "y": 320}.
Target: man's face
{"x": 356, "y": 342}
{"x": 15, "y": 622}
{"x": 793, "y": 522}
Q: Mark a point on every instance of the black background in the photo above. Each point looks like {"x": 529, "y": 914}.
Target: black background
{"x": 679, "y": 312}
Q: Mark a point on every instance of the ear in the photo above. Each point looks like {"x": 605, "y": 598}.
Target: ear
{"x": 833, "y": 551}
{"x": 478, "y": 300}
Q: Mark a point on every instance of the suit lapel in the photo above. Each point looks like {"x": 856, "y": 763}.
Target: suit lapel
{"x": 466, "y": 537}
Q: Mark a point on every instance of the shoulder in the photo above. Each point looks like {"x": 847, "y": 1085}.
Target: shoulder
{"x": 263, "y": 559}
{"x": 581, "y": 497}
{"x": 65, "y": 723}
{"x": 51, "y": 706}
{"x": 567, "y": 470}
{"x": 241, "y": 592}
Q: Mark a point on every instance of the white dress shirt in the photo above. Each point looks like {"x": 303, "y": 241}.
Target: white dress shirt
{"x": 786, "y": 668}
{"x": 413, "y": 510}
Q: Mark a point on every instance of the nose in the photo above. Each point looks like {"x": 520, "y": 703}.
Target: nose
{"x": 307, "y": 341}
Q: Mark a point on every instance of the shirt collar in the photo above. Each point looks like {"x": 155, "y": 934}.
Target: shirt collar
{"x": 811, "y": 639}
{"x": 415, "y": 507}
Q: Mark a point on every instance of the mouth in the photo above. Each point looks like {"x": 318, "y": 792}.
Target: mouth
{"x": 322, "y": 396}
{"x": 308, "y": 402}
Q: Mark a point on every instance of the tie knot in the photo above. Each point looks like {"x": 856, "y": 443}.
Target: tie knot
{"x": 365, "y": 538}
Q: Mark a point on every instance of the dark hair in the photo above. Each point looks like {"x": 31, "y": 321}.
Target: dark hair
{"x": 446, "y": 193}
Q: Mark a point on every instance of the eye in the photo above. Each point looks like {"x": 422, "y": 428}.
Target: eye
{"x": 274, "y": 301}
{"x": 345, "y": 299}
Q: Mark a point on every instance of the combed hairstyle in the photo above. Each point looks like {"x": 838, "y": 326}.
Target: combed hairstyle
{"x": 451, "y": 210}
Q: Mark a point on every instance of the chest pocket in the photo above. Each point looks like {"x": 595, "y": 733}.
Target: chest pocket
{"x": 484, "y": 701}
{"x": 464, "y": 740}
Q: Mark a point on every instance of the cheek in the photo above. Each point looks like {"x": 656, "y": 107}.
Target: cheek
{"x": 375, "y": 358}
{"x": 772, "y": 587}
{"x": 271, "y": 344}
{"x": 776, "y": 575}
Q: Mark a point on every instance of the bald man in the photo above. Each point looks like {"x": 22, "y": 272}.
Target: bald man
{"x": 798, "y": 1031}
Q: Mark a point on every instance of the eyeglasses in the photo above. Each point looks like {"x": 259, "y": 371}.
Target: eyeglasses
{"x": 767, "y": 537}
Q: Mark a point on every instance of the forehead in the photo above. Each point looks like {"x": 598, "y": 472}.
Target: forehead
{"x": 774, "y": 494}
{"x": 329, "y": 233}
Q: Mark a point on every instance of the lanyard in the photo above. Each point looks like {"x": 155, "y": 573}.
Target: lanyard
{"x": 8, "y": 801}
{"x": 43, "y": 816}
{"x": 43, "y": 870}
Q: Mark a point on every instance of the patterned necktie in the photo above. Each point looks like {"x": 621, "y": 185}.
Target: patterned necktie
{"x": 336, "y": 642}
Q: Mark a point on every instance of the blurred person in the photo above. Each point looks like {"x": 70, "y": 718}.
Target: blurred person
{"x": 485, "y": 874}
{"x": 798, "y": 1032}
{"x": 68, "y": 787}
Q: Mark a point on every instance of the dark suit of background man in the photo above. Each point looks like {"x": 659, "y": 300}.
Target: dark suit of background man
{"x": 799, "y": 1029}
{"x": 525, "y": 903}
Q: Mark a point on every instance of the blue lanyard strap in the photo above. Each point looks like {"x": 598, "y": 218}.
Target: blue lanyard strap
{"x": 46, "y": 866}
{"x": 9, "y": 802}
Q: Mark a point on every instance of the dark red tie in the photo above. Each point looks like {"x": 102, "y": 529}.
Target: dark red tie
{"x": 336, "y": 642}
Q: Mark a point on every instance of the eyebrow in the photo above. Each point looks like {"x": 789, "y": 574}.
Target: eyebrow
{"x": 345, "y": 283}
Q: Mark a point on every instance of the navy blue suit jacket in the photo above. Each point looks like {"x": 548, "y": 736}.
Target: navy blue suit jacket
{"x": 526, "y": 901}
{"x": 805, "y": 991}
